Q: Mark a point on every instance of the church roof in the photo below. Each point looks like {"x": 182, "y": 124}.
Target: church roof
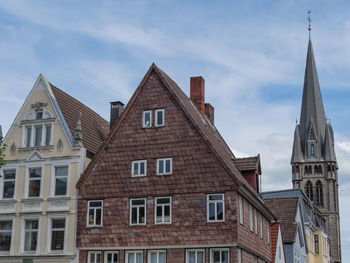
{"x": 329, "y": 145}
{"x": 297, "y": 155}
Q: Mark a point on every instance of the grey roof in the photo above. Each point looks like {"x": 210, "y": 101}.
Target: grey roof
{"x": 329, "y": 153}
{"x": 297, "y": 155}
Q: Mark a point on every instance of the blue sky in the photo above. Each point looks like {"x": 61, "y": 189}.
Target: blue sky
{"x": 251, "y": 54}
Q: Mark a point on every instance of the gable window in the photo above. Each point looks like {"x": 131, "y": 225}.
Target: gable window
{"x": 58, "y": 226}
{"x": 255, "y": 222}
{"x": 61, "y": 179}
{"x": 219, "y": 256}
{"x": 317, "y": 248}
{"x": 159, "y": 117}
{"x": 215, "y": 208}
{"x": 48, "y": 135}
{"x": 163, "y": 210}
{"x": 251, "y": 225}
{"x": 139, "y": 168}
{"x": 138, "y": 211}
{"x": 134, "y": 256}
{"x": 38, "y": 135}
{"x": 94, "y": 257}
{"x": 147, "y": 119}
{"x": 156, "y": 257}
{"x": 240, "y": 201}
{"x": 34, "y": 182}
{"x": 261, "y": 226}
{"x": 28, "y": 136}
{"x": 39, "y": 114}
{"x": 164, "y": 166}
{"x": 9, "y": 184}
{"x": 95, "y": 213}
{"x": 5, "y": 235}
{"x": 31, "y": 229}
{"x": 195, "y": 256}
{"x": 111, "y": 257}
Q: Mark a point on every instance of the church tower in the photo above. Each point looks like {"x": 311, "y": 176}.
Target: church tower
{"x": 314, "y": 164}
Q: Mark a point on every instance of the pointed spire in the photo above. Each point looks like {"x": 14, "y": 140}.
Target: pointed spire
{"x": 297, "y": 155}
{"x": 329, "y": 145}
{"x": 78, "y": 136}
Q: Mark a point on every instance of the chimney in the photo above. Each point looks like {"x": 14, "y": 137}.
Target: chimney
{"x": 117, "y": 108}
{"x": 197, "y": 93}
{"x": 209, "y": 111}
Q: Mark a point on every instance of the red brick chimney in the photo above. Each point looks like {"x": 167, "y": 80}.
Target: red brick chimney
{"x": 197, "y": 93}
{"x": 209, "y": 111}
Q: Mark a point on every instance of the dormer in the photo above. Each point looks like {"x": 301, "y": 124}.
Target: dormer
{"x": 312, "y": 142}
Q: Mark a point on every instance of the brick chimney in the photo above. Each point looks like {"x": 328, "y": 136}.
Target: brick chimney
{"x": 117, "y": 108}
{"x": 209, "y": 111}
{"x": 197, "y": 93}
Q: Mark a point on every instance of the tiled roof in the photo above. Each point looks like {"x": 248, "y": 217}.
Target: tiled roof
{"x": 274, "y": 238}
{"x": 247, "y": 163}
{"x": 285, "y": 209}
{"x": 94, "y": 128}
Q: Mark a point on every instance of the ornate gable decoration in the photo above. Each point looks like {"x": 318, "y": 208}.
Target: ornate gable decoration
{"x": 35, "y": 155}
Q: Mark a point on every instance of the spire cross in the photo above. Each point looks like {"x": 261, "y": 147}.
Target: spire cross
{"x": 309, "y": 19}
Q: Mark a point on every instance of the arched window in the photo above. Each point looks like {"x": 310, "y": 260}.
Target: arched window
{"x": 312, "y": 153}
{"x": 319, "y": 194}
{"x": 308, "y": 190}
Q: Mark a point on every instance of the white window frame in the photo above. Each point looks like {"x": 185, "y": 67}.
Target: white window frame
{"x": 138, "y": 211}
{"x": 12, "y": 237}
{"x": 255, "y": 221}
{"x": 95, "y": 253}
{"x": 251, "y": 224}
{"x": 94, "y": 208}
{"x": 215, "y": 202}
{"x": 114, "y": 253}
{"x": 163, "y": 210}
{"x": 241, "y": 211}
{"x": 156, "y": 118}
{"x": 33, "y": 126}
{"x": 49, "y": 233}
{"x": 268, "y": 232}
{"x": 261, "y": 227}
{"x": 221, "y": 250}
{"x": 53, "y": 179}
{"x": 24, "y": 219}
{"x": 8, "y": 180}
{"x": 138, "y": 162}
{"x": 27, "y": 184}
{"x": 188, "y": 251}
{"x": 164, "y": 166}
{"x": 132, "y": 252}
{"x": 239, "y": 255}
{"x": 143, "y": 118}
{"x": 157, "y": 252}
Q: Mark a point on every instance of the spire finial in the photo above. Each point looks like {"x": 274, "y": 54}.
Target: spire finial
{"x": 309, "y": 19}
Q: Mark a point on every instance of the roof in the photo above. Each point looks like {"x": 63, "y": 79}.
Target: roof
{"x": 297, "y": 155}
{"x": 248, "y": 163}
{"x": 274, "y": 239}
{"x": 286, "y": 210}
{"x": 94, "y": 128}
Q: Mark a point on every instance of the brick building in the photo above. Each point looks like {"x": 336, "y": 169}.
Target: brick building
{"x": 165, "y": 187}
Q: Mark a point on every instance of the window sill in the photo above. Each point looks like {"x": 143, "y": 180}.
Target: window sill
{"x": 6, "y": 201}
{"x": 216, "y": 221}
{"x": 31, "y": 199}
{"x": 29, "y": 149}
{"x": 61, "y": 197}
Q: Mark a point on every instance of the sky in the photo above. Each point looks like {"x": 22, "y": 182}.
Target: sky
{"x": 251, "y": 53}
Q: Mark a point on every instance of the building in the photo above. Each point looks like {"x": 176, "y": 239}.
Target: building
{"x": 314, "y": 164}
{"x": 277, "y": 244}
{"x": 164, "y": 187}
{"x": 50, "y": 142}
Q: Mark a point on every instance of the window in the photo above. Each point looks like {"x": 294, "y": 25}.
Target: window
{"x": 215, "y": 208}
{"x": 251, "y": 218}
{"x": 261, "y": 227}
{"x": 239, "y": 255}
{"x": 134, "y": 257}
{"x": 31, "y": 234}
{"x": 164, "y": 166}
{"x": 94, "y": 257}
{"x": 256, "y": 259}
{"x": 28, "y": 136}
{"x": 255, "y": 222}
{"x": 195, "y": 256}
{"x": 5, "y": 235}
{"x": 309, "y": 191}
{"x": 111, "y": 257}
{"x": 58, "y": 226}
{"x": 39, "y": 114}
{"x": 317, "y": 250}
{"x": 139, "y": 168}
{"x": 95, "y": 213}
{"x": 163, "y": 210}
{"x": 9, "y": 183}
{"x": 156, "y": 257}
{"x": 34, "y": 182}
{"x": 61, "y": 179}
{"x": 138, "y": 211}
{"x": 160, "y": 117}
{"x": 48, "y": 135}
{"x": 240, "y": 201}
{"x": 319, "y": 194}
{"x": 219, "y": 256}
{"x": 38, "y": 135}
{"x": 147, "y": 119}
{"x": 268, "y": 232}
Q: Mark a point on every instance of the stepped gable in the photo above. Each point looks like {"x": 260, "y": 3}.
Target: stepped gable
{"x": 94, "y": 128}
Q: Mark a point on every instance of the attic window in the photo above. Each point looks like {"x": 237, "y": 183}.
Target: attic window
{"x": 147, "y": 119}
{"x": 39, "y": 114}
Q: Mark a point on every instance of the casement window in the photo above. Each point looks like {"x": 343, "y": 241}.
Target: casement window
{"x": 31, "y": 235}
{"x": 160, "y": 120}
{"x": 251, "y": 225}
{"x": 139, "y": 168}
{"x": 158, "y": 256}
{"x": 28, "y": 138}
{"x": 268, "y": 232}
{"x": 147, "y": 119}
{"x": 163, "y": 210}
{"x": 48, "y": 135}
{"x": 134, "y": 256}
{"x": 317, "y": 247}
{"x": 261, "y": 227}
{"x": 38, "y": 135}
{"x": 215, "y": 208}
{"x": 240, "y": 202}
{"x": 111, "y": 257}
{"x": 195, "y": 256}
{"x": 95, "y": 213}
{"x": 94, "y": 257}
{"x": 219, "y": 256}
{"x": 138, "y": 211}
{"x": 34, "y": 182}
{"x": 9, "y": 183}
{"x": 164, "y": 166}
{"x": 5, "y": 235}
{"x": 61, "y": 180}
{"x": 239, "y": 255}
{"x": 255, "y": 222}
{"x": 58, "y": 228}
